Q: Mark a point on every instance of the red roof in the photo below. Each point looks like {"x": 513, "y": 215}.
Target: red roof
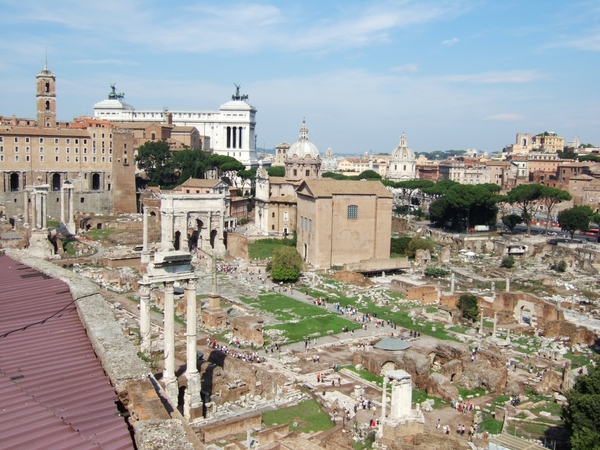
{"x": 53, "y": 390}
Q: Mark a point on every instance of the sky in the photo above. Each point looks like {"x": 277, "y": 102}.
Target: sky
{"x": 450, "y": 74}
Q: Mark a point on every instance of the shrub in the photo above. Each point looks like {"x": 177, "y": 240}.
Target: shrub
{"x": 560, "y": 266}
{"x": 468, "y": 306}
{"x": 435, "y": 272}
{"x": 508, "y": 262}
{"x": 400, "y": 245}
{"x": 419, "y": 243}
{"x": 286, "y": 264}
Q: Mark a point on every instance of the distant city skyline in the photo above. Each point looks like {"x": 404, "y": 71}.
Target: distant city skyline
{"x": 450, "y": 74}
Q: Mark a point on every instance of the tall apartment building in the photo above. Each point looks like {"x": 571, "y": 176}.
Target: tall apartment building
{"x": 95, "y": 157}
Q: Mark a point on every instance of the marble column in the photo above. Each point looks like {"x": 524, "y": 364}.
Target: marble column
{"x": 508, "y": 285}
{"x": 26, "y": 207}
{"x": 495, "y": 323}
{"x": 171, "y": 386}
{"x": 34, "y": 208}
{"x": 452, "y": 281}
{"x": 384, "y": 398}
{"x": 71, "y": 211}
{"x": 62, "y": 206}
{"x": 145, "y": 334}
{"x": 145, "y": 252}
{"x": 44, "y": 209}
{"x": 481, "y": 325}
{"x": 167, "y": 236}
{"x": 192, "y": 398}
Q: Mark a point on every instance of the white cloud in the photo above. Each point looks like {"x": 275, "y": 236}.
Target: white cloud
{"x": 114, "y": 62}
{"x": 504, "y": 117}
{"x": 590, "y": 43}
{"x": 494, "y": 77}
{"x": 405, "y": 68}
{"x": 450, "y": 42}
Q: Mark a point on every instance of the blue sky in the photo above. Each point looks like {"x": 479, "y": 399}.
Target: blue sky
{"x": 450, "y": 74}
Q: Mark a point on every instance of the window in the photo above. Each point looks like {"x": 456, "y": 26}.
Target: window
{"x": 85, "y": 141}
{"x": 16, "y": 158}
{"x": 68, "y": 150}
{"x": 1, "y": 158}
{"x": 85, "y": 150}
{"x": 68, "y": 141}
{"x": 26, "y": 139}
{"x": 41, "y": 149}
{"x": 1, "y": 138}
{"x": 353, "y": 212}
{"x": 77, "y": 141}
{"x": 55, "y": 149}
{"x": 76, "y": 150}
{"x": 85, "y": 159}
{"x": 295, "y": 172}
{"x": 93, "y": 159}
{"x": 16, "y": 149}
{"x": 41, "y": 158}
{"x": 77, "y": 159}
{"x": 273, "y": 215}
{"x": 103, "y": 159}
{"x": 27, "y": 158}
{"x": 310, "y": 225}
{"x": 56, "y": 158}
{"x": 68, "y": 159}
{"x": 1, "y": 148}
{"x": 56, "y": 140}
{"x": 26, "y": 149}
{"x": 308, "y": 172}
{"x": 16, "y": 139}
{"x": 285, "y": 216}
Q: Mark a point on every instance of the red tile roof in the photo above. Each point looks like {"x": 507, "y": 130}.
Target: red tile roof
{"x": 53, "y": 390}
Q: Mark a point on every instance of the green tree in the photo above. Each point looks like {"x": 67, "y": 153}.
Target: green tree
{"x": 527, "y": 198}
{"x": 399, "y": 246}
{"x": 466, "y": 205}
{"x": 154, "y": 158}
{"x": 581, "y": 416}
{"x": 508, "y": 262}
{"x": 435, "y": 272}
{"x": 286, "y": 264}
{"x": 369, "y": 175}
{"x": 468, "y": 306}
{"x": 277, "y": 171}
{"x": 226, "y": 166}
{"x": 575, "y": 219}
{"x": 189, "y": 163}
{"x": 419, "y": 243}
{"x": 511, "y": 221}
{"x": 550, "y": 198}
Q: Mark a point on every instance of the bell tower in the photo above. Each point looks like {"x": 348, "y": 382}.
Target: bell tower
{"x": 46, "y": 98}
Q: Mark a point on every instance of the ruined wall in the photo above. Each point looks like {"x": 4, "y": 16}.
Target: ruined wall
{"x": 237, "y": 246}
{"x": 236, "y": 425}
{"x": 248, "y": 328}
{"x": 414, "y": 363}
{"x": 577, "y": 334}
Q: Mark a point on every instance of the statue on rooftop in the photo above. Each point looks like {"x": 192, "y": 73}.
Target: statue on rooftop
{"x": 112, "y": 95}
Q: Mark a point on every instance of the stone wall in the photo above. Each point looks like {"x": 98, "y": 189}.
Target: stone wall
{"x": 248, "y": 328}
{"x": 237, "y": 246}
{"x": 235, "y": 425}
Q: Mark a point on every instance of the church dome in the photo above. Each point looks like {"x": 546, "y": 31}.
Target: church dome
{"x": 403, "y": 152}
{"x": 303, "y": 147}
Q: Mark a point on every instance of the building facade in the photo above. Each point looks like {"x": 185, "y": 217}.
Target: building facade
{"x": 230, "y": 130}
{"x": 95, "y": 158}
{"x": 343, "y": 222}
{"x": 402, "y": 163}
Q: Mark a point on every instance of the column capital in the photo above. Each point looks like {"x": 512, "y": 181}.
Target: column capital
{"x": 169, "y": 286}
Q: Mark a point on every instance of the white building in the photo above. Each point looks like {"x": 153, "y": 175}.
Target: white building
{"x": 402, "y": 162}
{"x": 231, "y": 129}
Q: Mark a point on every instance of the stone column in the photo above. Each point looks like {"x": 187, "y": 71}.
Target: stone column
{"x": 192, "y": 401}
{"x": 71, "y": 211}
{"x": 384, "y": 398}
{"x": 44, "y": 209}
{"x": 26, "y": 207}
{"x": 481, "y": 326}
{"x": 495, "y": 324}
{"x": 508, "y": 335}
{"x": 452, "y": 281}
{"x": 171, "y": 386}
{"x": 145, "y": 252}
{"x": 508, "y": 285}
{"x": 183, "y": 233}
{"x": 145, "y": 333}
{"x": 62, "y": 205}
{"x": 166, "y": 243}
{"x": 34, "y": 208}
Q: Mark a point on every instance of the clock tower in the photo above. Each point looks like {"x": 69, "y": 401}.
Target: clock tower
{"x": 46, "y": 98}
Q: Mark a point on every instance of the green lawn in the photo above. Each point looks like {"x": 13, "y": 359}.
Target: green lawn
{"x": 490, "y": 425}
{"x": 308, "y": 416}
{"x": 99, "y": 234}
{"x": 263, "y": 248}
{"x": 464, "y": 393}
{"x": 299, "y": 319}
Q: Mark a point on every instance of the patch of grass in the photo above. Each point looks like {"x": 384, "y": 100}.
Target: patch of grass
{"x": 299, "y": 320}
{"x": 459, "y": 329}
{"x": 420, "y": 396}
{"x": 492, "y": 426}
{"x": 308, "y": 416}
{"x": 366, "y": 443}
{"x": 98, "y": 235}
{"x": 52, "y": 223}
{"x": 529, "y": 429}
{"x": 431, "y": 310}
{"x": 69, "y": 248}
{"x": 500, "y": 400}
{"x": 580, "y": 360}
{"x": 263, "y": 248}
{"x": 464, "y": 393}
{"x": 366, "y": 375}
{"x": 551, "y": 407}
{"x": 534, "y": 397}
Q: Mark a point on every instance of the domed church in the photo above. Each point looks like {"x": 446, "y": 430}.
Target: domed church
{"x": 402, "y": 162}
{"x": 303, "y": 160}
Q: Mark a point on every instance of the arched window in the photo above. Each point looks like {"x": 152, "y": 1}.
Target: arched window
{"x": 14, "y": 181}
{"x": 352, "y": 212}
{"x": 47, "y": 105}
{"x": 47, "y": 88}
{"x": 96, "y": 182}
{"x": 56, "y": 182}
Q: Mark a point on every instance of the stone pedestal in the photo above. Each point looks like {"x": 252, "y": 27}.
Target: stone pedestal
{"x": 214, "y": 318}
{"x": 39, "y": 245}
